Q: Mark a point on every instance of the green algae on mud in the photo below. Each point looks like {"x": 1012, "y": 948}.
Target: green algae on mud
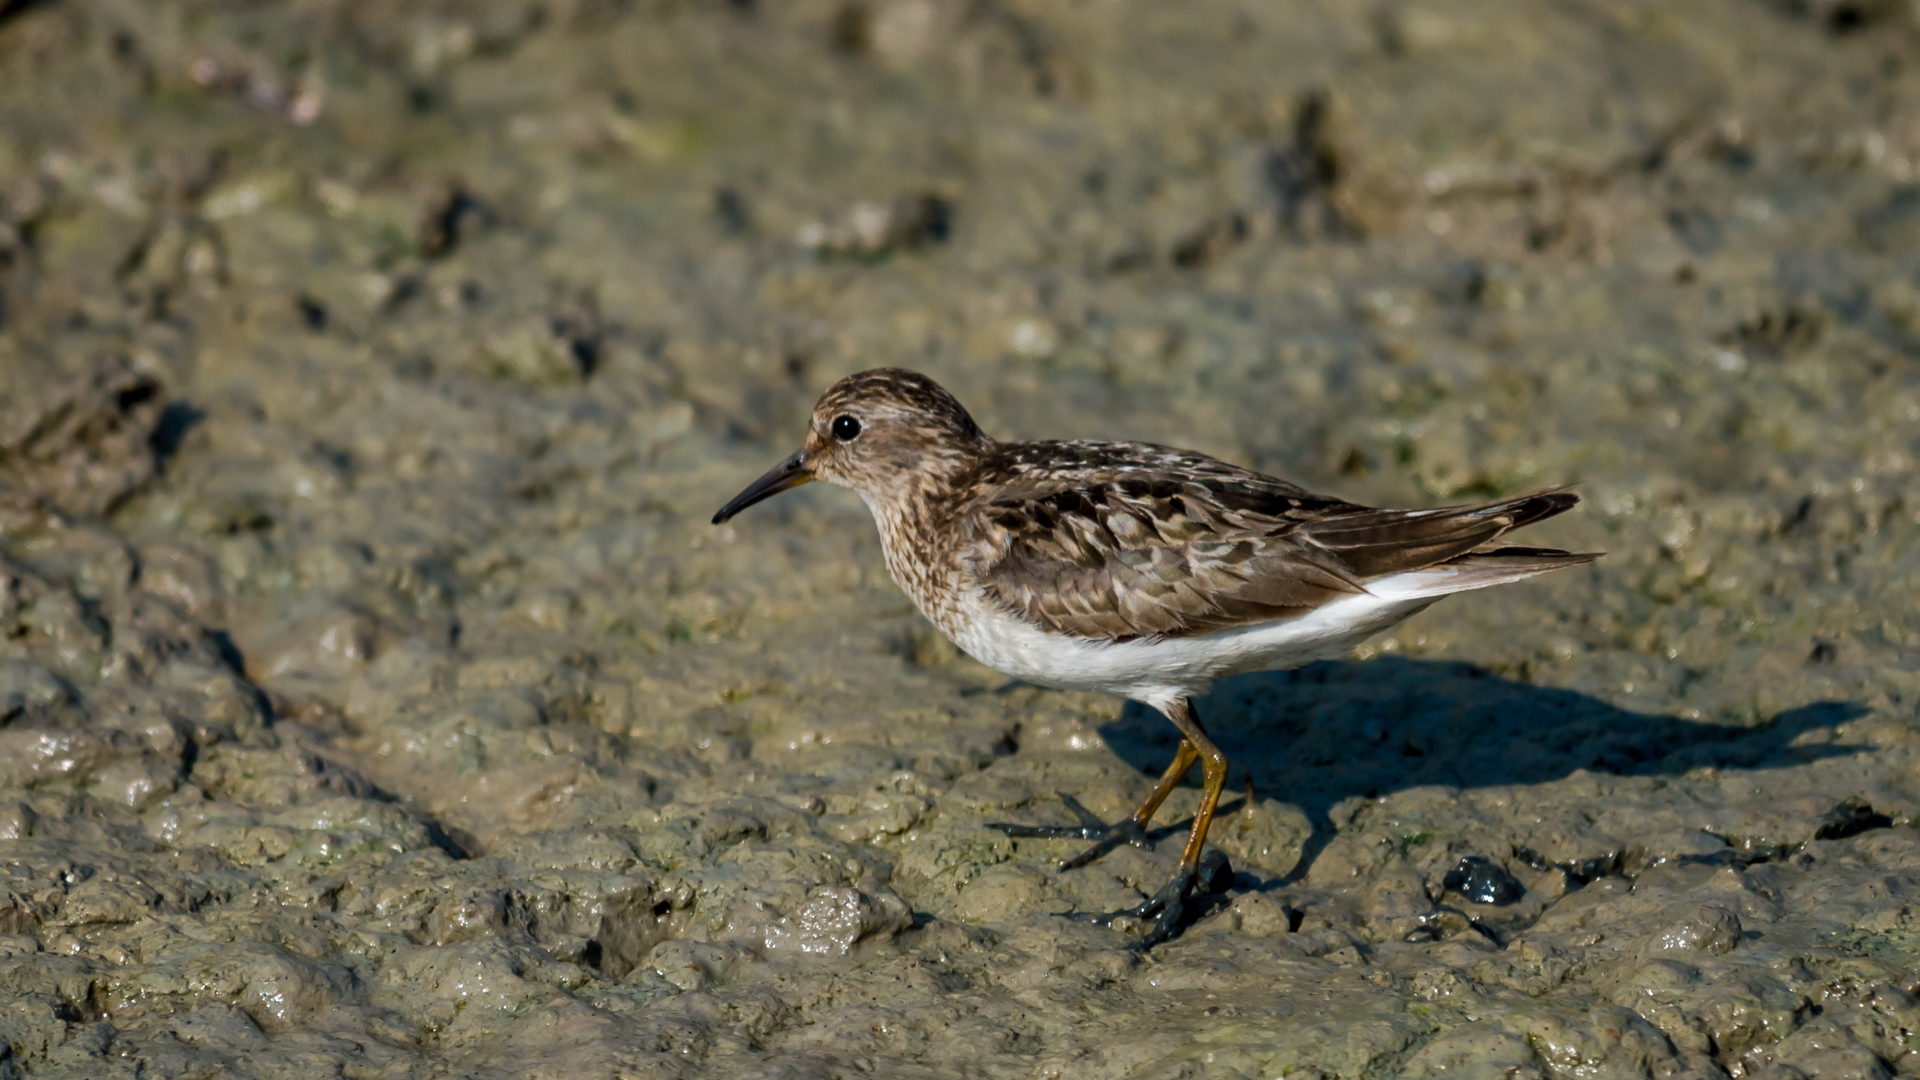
{"x": 374, "y": 698}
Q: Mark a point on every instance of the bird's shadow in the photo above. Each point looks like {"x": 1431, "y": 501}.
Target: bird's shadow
{"x": 1330, "y": 731}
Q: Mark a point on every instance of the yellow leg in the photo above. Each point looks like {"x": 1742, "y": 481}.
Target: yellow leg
{"x": 1168, "y": 904}
{"x": 1183, "y": 760}
{"x": 1214, "y": 777}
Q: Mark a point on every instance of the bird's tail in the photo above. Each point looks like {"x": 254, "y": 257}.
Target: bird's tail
{"x": 1460, "y": 545}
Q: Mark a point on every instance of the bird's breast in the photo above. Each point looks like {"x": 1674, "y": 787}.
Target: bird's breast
{"x": 918, "y": 558}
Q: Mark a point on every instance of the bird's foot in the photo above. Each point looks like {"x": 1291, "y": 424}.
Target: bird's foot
{"x": 1169, "y": 907}
{"x": 1105, "y": 837}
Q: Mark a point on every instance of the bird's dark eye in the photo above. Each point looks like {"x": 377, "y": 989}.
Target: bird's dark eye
{"x": 846, "y": 428}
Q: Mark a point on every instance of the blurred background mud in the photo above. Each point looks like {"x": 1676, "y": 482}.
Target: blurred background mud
{"x": 376, "y": 701}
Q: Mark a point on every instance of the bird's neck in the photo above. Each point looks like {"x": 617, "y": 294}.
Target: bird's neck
{"x": 915, "y": 519}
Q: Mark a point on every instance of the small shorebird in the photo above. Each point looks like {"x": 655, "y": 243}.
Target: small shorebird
{"x": 1135, "y": 569}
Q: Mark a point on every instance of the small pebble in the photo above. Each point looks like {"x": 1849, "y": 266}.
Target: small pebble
{"x": 1482, "y": 881}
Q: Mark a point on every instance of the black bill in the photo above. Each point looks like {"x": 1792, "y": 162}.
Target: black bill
{"x": 790, "y": 473}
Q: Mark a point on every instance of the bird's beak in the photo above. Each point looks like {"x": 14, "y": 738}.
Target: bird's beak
{"x": 790, "y": 473}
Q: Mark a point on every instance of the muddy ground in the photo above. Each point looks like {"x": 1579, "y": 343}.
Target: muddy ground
{"x": 375, "y": 699}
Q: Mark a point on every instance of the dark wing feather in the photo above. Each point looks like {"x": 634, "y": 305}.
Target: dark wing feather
{"x": 1373, "y": 543}
{"x": 1120, "y": 541}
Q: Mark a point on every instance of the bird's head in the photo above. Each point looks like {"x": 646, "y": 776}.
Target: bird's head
{"x": 888, "y": 434}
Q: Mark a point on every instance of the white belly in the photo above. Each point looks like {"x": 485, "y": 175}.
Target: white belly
{"x": 1157, "y": 670}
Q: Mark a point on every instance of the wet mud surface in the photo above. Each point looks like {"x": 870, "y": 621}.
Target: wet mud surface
{"x": 376, "y": 701}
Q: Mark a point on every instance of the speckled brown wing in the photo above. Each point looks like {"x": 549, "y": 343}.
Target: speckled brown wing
{"x": 1120, "y": 541}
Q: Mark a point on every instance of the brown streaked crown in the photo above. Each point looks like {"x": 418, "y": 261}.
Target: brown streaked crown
{"x": 900, "y": 395}
{"x": 910, "y": 433}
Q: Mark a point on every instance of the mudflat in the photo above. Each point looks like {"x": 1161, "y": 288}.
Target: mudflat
{"x": 376, "y": 700}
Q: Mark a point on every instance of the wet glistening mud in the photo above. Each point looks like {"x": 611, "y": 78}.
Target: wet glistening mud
{"x": 376, "y": 699}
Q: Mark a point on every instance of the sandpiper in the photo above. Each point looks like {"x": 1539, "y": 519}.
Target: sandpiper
{"x": 1135, "y": 569}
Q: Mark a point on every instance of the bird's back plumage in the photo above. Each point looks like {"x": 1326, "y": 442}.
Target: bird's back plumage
{"x": 1121, "y": 541}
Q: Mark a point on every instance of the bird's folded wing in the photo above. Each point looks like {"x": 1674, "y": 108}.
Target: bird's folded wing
{"x": 1117, "y": 558}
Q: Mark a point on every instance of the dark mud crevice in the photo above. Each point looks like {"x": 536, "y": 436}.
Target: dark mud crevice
{"x": 177, "y": 420}
{"x": 13, "y": 9}
{"x": 228, "y": 652}
{"x": 1851, "y": 817}
{"x": 457, "y": 844}
{"x": 1581, "y": 871}
{"x": 1305, "y": 175}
